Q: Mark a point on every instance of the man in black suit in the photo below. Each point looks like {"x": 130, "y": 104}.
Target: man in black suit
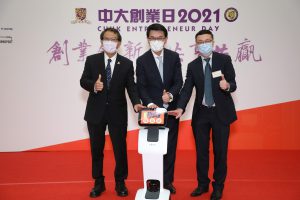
{"x": 213, "y": 76}
{"x": 106, "y": 76}
{"x": 159, "y": 80}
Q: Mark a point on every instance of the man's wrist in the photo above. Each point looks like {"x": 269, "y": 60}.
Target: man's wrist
{"x": 228, "y": 87}
{"x": 170, "y": 97}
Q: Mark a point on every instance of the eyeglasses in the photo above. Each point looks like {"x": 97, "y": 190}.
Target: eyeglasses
{"x": 204, "y": 42}
{"x": 158, "y": 38}
{"x": 111, "y": 39}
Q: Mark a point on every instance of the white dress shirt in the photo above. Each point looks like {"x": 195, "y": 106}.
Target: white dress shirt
{"x": 112, "y": 63}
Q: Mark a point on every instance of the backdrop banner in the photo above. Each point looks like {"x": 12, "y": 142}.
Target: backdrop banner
{"x": 44, "y": 44}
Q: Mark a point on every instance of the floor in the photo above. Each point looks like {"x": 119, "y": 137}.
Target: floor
{"x": 255, "y": 174}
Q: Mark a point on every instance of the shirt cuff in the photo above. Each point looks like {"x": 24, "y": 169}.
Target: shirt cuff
{"x": 228, "y": 87}
{"x": 150, "y": 104}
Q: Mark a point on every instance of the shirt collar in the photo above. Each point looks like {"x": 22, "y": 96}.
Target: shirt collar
{"x": 113, "y": 59}
{"x": 156, "y": 56}
{"x": 210, "y": 57}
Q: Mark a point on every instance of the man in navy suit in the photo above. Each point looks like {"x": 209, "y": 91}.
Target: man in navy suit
{"x": 106, "y": 76}
{"x": 159, "y": 80}
{"x": 213, "y": 76}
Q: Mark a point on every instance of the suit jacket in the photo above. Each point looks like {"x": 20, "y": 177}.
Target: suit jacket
{"x": 223, "y": 100}
{"x": 122, "y": 78}
{"x": 149, "y": 83}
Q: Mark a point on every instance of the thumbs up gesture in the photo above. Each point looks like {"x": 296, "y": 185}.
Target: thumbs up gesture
{"x": 165, "y": 97}
{"x": 224, "y": 85}
{"x": 98, "y": 84}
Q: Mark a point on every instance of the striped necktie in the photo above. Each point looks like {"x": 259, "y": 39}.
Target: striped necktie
{"x": 108, "y": 72}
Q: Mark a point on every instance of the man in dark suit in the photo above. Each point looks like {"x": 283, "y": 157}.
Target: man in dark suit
{"x": 213, "y": 76}
{"x": 106, "y": 76}
{"x": 159, "y": 80}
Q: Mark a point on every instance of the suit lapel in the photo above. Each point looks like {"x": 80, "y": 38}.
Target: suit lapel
{"x": 166, "y": 65}
{"x": 199, "y": 73}
{"x": 101, "y": 67}
{"x": 216, "y": 66}
{"x": 116, "y": 71}
{"x": 215, "y": 63}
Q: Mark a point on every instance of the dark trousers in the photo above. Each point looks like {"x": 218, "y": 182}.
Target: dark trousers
{"x": 205, "y": 120}
{"x": 169, "y": 158}
{"x": 97, "y": 141}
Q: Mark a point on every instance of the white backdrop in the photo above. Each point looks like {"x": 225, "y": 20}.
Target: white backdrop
{"x": 42, "y": 102}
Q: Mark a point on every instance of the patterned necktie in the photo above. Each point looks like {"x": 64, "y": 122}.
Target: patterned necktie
{"x": 207, "y": 84}
{"x": 161, "y": 67}
{"x": 108, "y": 72}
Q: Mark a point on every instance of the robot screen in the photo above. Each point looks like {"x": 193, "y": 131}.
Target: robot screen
{"x": 153, "y": 117}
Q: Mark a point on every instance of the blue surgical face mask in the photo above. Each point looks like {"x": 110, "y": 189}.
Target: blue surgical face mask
{"x": 205, "y": 49}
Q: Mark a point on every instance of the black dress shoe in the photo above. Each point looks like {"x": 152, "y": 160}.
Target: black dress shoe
{"x": 171, "y": 188}
{"x": 199, "y": 190}
{"x": 121, "y": 189}
{"x": 97, "y": 190}
{"x": 216, "y": 195}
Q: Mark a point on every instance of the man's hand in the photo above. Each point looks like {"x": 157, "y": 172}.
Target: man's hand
{"x": 98, "y": 84}
{"x": 177, "y": 113}
{"x": 165, "y": 97}
{"x": 224, "y": 85}
{"x": 138, "y": 107}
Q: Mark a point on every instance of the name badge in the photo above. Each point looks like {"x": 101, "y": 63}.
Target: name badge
{"x": 217, "y": 74}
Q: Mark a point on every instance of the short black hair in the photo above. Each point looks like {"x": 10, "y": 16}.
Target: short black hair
{"x": 157, "y": 27}
{"x": 111, "y": 30}
{"x": 202, "y": 32}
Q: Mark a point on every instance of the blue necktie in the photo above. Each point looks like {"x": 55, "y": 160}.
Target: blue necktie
{"x": 161, "y": 68}
{"x": 108, "y": 72}
{"x": 209, "y": 100}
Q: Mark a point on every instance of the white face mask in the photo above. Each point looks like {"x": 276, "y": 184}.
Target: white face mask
{"x": 156, "y": 45}
{"x": 205, "y": 49}
{"x": 109, "y": 46}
